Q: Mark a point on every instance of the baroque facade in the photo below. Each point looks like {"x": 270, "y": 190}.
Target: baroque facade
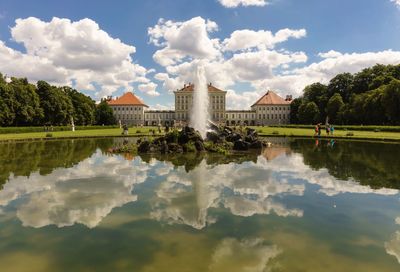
{"x": 270, "y": 109}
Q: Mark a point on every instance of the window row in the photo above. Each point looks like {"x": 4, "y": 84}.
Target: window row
{"x": 127, "y": 108}
{"x": 268, "y": 108}
{"x": 273, "y": 116}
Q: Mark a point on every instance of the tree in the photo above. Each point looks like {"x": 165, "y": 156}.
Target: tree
{"x": 391, "y": 101}
{"x": 308, "y": 113}
{"x": 7, "y": 113}
{"x": 317, "y": 93}
{"x": 83, "y": 107}
{"x": 334, "y": 105}
{"x": 294, "y": 109}
{"x": 26, "y": 102}
{"x": 104, "y": 114}
{"x": 341, "y": 84}
{"x": 56, "y": 104}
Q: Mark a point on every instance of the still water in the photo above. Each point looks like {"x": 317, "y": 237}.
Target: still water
{"x": 299, "y": 205}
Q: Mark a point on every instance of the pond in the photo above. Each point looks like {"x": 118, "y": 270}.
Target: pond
{"x": 299, "y": 205}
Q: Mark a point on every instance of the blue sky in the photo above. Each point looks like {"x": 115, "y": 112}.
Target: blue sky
{"x": 357, "y": 33}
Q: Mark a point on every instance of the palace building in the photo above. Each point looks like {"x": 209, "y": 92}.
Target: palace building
{"x": 270, "y": 109}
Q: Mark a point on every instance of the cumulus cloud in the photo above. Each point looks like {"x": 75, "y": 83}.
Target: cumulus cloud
{"x": 262, "y": 39}
{"x": 62, "y": 51}
{"x": 396, "y": 2}
{"x": 149, "y": 89}
{"x": 183, "y": 39}
{"x": 245, "y": 3}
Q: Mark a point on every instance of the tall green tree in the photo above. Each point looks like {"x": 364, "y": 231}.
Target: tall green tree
{"x": 104, "y": 114}
{"x": 308, "y": 113}
{"x": 341, "y": 84}
{"x": 56, "y": 104}
{"x": 26, "y": 102}
{"x": 317, "y": 93}
{"x": 294, "y": 110}
{"x": 333, "y": 107}
{"x": 7, "y": 103}
{"x": 83, "y": 107}
{"x": 391, "y": 101}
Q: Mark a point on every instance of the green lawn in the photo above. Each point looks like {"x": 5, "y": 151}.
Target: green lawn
{"x": 106, "y": 132}
{"x": 309, "y": 132}
{"x": 263, "y": 131}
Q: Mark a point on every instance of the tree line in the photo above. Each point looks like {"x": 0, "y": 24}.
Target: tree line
{"x": 26, "y": 104}
{"x": 370, "y": 97}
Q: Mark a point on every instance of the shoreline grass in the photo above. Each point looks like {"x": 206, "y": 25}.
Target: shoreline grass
{"x": 147, "y": 131}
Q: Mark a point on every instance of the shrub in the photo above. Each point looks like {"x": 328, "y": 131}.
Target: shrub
{"x": 349, "y": 134}
{"x": 275, "y": 132}
{"x": 49, "y": 135}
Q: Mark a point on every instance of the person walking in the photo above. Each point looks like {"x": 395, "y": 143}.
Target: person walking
{"x": 327, "y": 129}
{"x": 332, "y": 129}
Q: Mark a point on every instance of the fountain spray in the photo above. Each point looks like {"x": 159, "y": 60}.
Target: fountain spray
{"x": 199, "y": 116}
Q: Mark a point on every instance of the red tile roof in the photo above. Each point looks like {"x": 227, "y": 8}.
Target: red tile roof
{"x": 271, "y": 98}
{"x": 190, "y": 88}
{"x": 127, "y": 99}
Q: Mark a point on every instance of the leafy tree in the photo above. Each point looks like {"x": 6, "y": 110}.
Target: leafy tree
{"x": 317, "y": 93}
{"x": 26, "y": 102}
{"x": 294, "y": 109}
{"x": 56, "y": 104}
{"x": 335, "y": 103}
{"x": 104, "y": 114}
{"x": 341, "y": 84}
{"x": 391, "y": 101}
{"x": 7, "y": 103}
{"x": 308, "y": 113}
{"x": 83, "y": 107}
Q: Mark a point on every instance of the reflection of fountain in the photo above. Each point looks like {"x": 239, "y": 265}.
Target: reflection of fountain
{"x": 199, "y": 116}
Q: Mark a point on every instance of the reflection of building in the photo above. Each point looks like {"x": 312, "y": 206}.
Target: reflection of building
{"x": 270, "y": 109}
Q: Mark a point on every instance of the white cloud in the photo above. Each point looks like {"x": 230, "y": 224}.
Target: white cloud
{"x": 262, "y": 39}
{"x": 61, "y": 51}
{"x": 149, "y": 89}
{"x": 236, "y": 3}
{"x": 183, "y": 39}
{"x": 397, "y": 2}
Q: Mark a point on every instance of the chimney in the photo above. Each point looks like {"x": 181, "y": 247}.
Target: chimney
{"x": 288, "y": 97}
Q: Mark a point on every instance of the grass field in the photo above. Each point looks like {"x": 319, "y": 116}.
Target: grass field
{"x": 146, "y": 131}
{"x": 309, "y": 132}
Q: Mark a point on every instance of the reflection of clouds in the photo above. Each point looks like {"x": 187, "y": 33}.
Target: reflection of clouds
{"x": 83, "y": 194}
{"x": 393, "y": 246}
{"x": 294, "y": 168}
{"x": 245, "y": 189}
{"x": 246, "y": 255}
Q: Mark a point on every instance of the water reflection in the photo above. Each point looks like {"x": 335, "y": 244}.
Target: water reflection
{"x": 245, "y": 255}
{"x": 280, "y": 209}
{"x": 85, "y": 192}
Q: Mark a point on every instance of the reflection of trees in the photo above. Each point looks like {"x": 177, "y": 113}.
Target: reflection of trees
{"x": 372, "y": 164}
{"x": 21, "y": 159}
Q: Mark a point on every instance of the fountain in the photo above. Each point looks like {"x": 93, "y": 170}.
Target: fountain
{"x": 199, "y": 116}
